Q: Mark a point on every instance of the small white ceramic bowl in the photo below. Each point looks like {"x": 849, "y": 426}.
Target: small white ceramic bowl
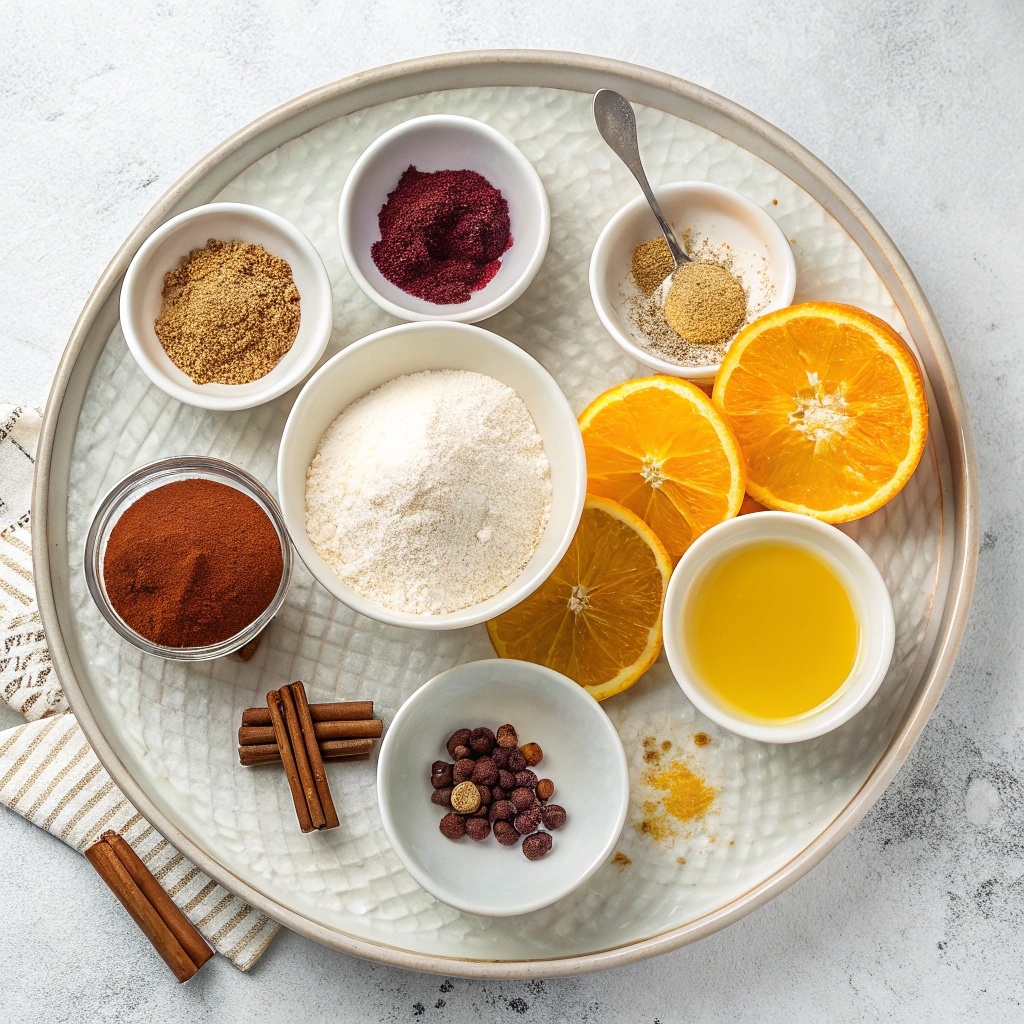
{"x": 229, "y": 222}
{"x": 442, "y": 142}
{"x": 410, "y": 348}
{"x": 854, "y": 568}
{"x": 583, "y": 756}
{"x": 763, "y": 259}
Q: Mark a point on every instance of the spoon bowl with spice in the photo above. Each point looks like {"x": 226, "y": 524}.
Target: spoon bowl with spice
{"x": 188, "y": 558}
{"x": 442, "y": 218}
{"x": 227, "y": 306}
{"x": 722, "y": 231}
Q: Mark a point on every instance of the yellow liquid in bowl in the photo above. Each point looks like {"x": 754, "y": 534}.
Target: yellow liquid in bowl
{"x": 771, "y": 631}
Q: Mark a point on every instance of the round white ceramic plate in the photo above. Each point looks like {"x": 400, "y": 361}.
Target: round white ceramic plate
{"x": 166, "y": 732}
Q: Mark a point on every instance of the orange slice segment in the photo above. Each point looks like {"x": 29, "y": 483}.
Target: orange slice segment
{"x": 829, "y": 406}
{"x": 597, "y": 617}
{"x": 659, "y": 447}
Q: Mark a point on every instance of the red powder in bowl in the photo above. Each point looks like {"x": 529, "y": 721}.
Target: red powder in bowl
{"x": 442, "y": 234}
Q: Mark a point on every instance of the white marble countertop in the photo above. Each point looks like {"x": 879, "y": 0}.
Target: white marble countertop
{"x": 919, "y": 915}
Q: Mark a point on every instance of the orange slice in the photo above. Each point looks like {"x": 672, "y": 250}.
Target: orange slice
{"x": 659, "y": 447}
{"x": 829, "y": 407}
{"x": 597, "y": 617}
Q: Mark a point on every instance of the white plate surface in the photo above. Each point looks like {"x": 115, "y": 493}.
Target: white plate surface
{"x": 173, "y": 725}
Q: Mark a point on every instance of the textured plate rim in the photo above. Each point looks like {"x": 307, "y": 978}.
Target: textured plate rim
{"x": 577, "y": 73}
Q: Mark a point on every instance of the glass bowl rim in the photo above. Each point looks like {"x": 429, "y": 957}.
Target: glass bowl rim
{"x": 182, "y": 468}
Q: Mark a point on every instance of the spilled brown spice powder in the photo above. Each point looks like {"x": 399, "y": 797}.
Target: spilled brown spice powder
{"x": 702, "y": 739}
{"x": 621, "y": 861}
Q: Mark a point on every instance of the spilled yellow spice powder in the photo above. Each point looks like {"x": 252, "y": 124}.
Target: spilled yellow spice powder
{"x": 655, "y": 823}
{"x": 687, "y": 798}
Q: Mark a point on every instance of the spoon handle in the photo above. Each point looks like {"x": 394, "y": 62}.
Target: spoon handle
{"x": 617, "y": 125}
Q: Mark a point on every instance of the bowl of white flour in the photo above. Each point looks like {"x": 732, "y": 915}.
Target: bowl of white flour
{"x": 431, "y": 475}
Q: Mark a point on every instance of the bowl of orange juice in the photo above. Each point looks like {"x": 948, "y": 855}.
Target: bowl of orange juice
{"x": 778, "y": 627}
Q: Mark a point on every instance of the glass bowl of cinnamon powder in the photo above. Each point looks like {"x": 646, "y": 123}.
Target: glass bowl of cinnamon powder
{"x": 188, "y": 558}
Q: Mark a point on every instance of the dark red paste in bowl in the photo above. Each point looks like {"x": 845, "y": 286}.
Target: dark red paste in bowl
{"x": 442, "y": 234}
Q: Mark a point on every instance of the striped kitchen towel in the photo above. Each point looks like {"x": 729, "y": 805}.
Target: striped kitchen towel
{"x": 28, "y": 683}
{"x": 48, "y": 772}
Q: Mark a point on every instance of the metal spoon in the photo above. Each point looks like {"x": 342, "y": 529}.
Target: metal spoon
{"x": 617, "y": 125}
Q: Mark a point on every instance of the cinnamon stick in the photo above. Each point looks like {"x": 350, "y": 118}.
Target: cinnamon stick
{"x": 291, "y": 720}
{"x": 316, "y": 764}
{"x": 330, "y": 750}
{"x": 288, "y": 760}
{"x": 180, "y": 926}
{"x": 337, "y": 730}
{"x": 338, "y": 711}
{"x": 102, "y": 857}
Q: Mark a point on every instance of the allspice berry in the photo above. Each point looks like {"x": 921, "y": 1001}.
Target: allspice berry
{"x": 481, "y": 741}
{"x": 502, "y": 810}
{"x": 506, "y": 780}
{"x": 465, "y": 798}
{"x": 463, "y": 770}
{"x": 442, "y": 797}
{"x": 553, "y": 816}
{"x": 522, "y": 798}
{"x": 485, "y": 771}
{"x": 499, "y": 755}
{"x": 505, "y": 833}
{"x": 507, "y": 736}
{"x": 545, "y": 789}
{"x": 537, "y": 845}
{"x": 532, "y": 753}
{"x": 529, "y": 821}
{"x": 478, "y": 829}
{"x": 516, "y": 760}
{"x": 526, "y": 778}
{"x": 440, "y": 774}
{"x": 459, "y": 738}
{"x": 453, "y": 826}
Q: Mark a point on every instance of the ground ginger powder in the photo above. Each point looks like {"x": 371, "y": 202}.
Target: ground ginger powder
{"x": 705, "y": 303}
{"x": 687, "y": 798}
{"x": 229, "y": 313}
{"x": 652, "y": 262}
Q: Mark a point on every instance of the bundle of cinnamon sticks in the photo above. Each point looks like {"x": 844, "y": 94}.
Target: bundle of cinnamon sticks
{"x": 173, "y": 936}
{"x": 302, "y": 736}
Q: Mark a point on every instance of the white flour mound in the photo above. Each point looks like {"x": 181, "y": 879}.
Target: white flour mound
{"x": 430, "y": 493}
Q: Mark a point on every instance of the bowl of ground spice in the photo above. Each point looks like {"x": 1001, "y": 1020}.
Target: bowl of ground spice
{"x": 442, "y": 218}
{"x": 431, "y": 475}
{"x": 226, "y": 306}
{"x": 742, "y": 267}
{"x": 188, "y": 558}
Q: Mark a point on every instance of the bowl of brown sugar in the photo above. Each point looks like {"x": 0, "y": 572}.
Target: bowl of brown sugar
{"x": 188, "y": 559}
{"x": 226, "y": 306}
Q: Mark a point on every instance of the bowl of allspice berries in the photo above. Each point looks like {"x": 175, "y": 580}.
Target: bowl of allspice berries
{"x": 502, "y": 787}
